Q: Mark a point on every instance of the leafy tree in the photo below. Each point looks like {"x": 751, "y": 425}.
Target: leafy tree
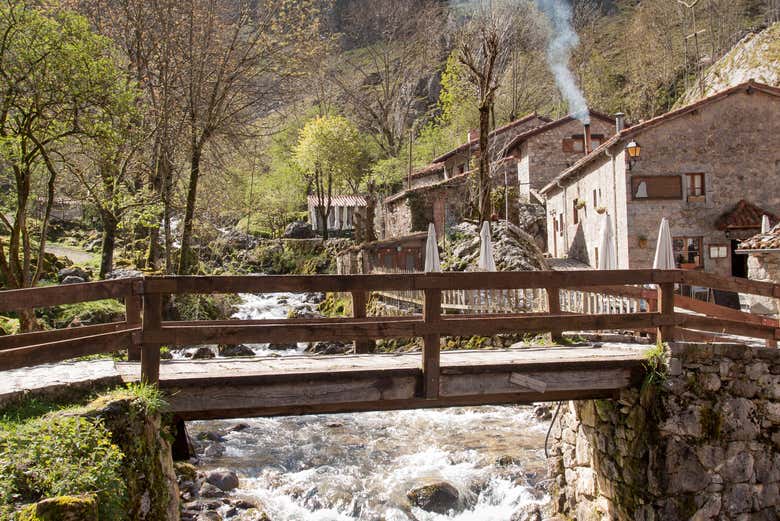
{"x": 59, "y": 85}
{"x": 330, "y": 154}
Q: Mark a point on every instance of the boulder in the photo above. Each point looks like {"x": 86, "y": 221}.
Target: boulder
{"x": 528, "y": 512}
{"x": 439, "y": 497}
{"x": 203, "y": 353}
{"x": 253, "y": 514}
{"x": 123, "y": 274}
{"x": 282, "y": 347}
{"x": 209, "y": 515}
{"x": 328, "y": 348}
{"x": 66, "y": 508}
{"x": 298, "y": 230}
{"x": 73, "y": 271}
{"x": 231, "y": 350}
{"x": 223, "y": 479}
{"x": 72, "y": 279}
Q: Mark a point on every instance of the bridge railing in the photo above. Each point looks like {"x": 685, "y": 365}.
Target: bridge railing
{"x": 146, "y": 328}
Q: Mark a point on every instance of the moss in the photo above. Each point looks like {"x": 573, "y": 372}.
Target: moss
{"x": 96, "y": 312}
{"x": 8, "y": 325}
{"x": 62, "y": 508}
{"x": 335, "y": 305}
{"x": 711, "y": 423}
{"x": 186, "y": 471}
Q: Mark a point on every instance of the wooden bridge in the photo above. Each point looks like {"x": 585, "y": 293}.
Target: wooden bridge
{"x": 224, "y": 388}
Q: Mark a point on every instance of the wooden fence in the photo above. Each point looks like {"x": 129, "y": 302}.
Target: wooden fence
{"x": 145, "y": 328}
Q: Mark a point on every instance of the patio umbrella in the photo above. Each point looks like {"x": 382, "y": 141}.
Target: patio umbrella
{"x": 432, "y": 263}
{"x": 486, "y": 260}
{"x": 765, "y": 226}
{"x": 607, "y": 258}
{"x": 664, "y": 252}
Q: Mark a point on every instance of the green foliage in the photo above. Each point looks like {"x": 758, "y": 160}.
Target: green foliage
{"x": 95, "y": 312}
{"x": 60, "y": 455}
{"x": 9, "y": 326}
{"x": 656, "y": 364}
{"x": 204, "y": 307}
{"x": 335, "y": 305}
{"x": 284, "y": 258}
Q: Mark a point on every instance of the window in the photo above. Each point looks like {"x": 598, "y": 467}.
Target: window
{"x": 656, "y": 187}
{"x": 687, "y": 252}
{"x": 695, "y": 185}
{"x": 560, "y": 220}
{"x": 461, "y": 168}
{"x": 576, "y": 212}
{"x": 719, "y": 251}
{"x": 595, "y": 200}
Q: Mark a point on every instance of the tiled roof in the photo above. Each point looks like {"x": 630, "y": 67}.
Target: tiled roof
{"x": 659, "y": 120}
{"x": 743, "y": 215}
{"x": 340, "y": 200}
{"x": 428, "y": 170}
{"x": 499, "y": 130}
{"x": 763, "y": 241}
{"x": 549, "y": 126}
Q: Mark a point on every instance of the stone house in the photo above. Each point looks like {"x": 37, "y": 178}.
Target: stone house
{"x": 711, "y": 168}
{"x": 529, "y": 152}
{"x": 763, "y": 251}
{"x": 345, "y": 211}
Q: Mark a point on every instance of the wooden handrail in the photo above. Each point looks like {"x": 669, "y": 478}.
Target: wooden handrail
{"x": 144, "y": 330}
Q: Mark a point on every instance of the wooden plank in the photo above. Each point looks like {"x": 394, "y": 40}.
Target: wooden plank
{"x": 666, "y": 302}
{"x": 54, "y": 335}
{"x": 735, "y": 284}
{"x": 133, "y": 318}
{"x": 64, "y": 349}
{"x": 370, "y": 328}
{"x": 150, "y": 351}
{"x": 544, "y": 381}
{"x": 431, "y": 344}
{"x": 47, "y": 296}
{"x": 529, "y": 382}
{"x": 359, "y": 302}
{"x": 724, "y": 326}
{"x": 689, "y": 335}
{"x": 412, "y": 281}
{"x": 714, "y": 310}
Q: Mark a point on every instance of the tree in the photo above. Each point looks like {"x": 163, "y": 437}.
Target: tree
{"x": 484, "y": 45}
{"x": 381, "y": 81}
{"x": 329, "y": 153}
{"x": 58, "y": 85}
{"x": 237, "y": 60}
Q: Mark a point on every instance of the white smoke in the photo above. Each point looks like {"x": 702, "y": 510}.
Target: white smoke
{"x": 562, "y": 40}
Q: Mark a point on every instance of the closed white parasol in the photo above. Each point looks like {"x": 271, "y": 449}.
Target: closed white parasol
{"x": 607, "y": 257}
{"x": 486, "y": 260}
{"x": 432, "y": 263}
{"x": 765, "y": 226}
{"x": 664, "y": 252}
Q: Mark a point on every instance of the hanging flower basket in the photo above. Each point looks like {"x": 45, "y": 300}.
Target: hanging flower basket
{"x": 601, "y": 209}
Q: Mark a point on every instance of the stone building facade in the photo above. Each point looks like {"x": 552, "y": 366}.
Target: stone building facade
{"x": 763, "y": 251}
{"x": 698, "y": 441}
{"x": 712, "y": 168}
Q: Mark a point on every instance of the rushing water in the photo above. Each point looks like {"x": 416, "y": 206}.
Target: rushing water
{"x": 361, "y": 466}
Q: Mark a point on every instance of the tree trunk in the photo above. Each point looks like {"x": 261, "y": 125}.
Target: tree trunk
{"x": 108, "y": 242}
{"x": 27, "y": 321}
{"x": 185, "y": 256}
{"x": 484, "y": 163}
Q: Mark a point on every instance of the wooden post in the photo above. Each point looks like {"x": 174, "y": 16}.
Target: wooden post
{"x": 150, "y": 353}
{"x": 554, "y": 307}
{"x": 359, "y": 302}
{"x": 666, "y": 307}
{"x": 431, "y": 351}
{"x": 133, "y": 319}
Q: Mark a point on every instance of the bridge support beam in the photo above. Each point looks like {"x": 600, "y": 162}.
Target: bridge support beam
{"x": 150, "y": 353}
{"x": 359, "y": 303}
{"x": 666, "y": 333}
{"x": 133, "y": 319}
{"x": 554, "y": 307}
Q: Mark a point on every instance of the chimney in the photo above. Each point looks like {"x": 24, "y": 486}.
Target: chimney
{"x": 620, "y": 122}
{"x": 586, "y": 137}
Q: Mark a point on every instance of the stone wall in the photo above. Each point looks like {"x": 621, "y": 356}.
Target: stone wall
{"x": 763, "y": 266}
{"x": 699, "y": 442}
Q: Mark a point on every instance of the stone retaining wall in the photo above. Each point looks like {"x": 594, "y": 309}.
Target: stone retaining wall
{"x": 699, "y": 442}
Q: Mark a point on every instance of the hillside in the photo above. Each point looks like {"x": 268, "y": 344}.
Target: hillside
{"x": 756, "y": 56}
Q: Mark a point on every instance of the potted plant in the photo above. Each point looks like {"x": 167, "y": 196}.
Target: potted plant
{"x": 580, "y": 204}
{"x": 601, "y": 209}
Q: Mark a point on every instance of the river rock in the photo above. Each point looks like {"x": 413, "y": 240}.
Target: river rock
{"x": 314, "y": 298}
{"x": 528, "y": 512}
{"x": 328, "y": 348}
{"x": 72, "y": 279}
{"x": 223, "y": 478}
{"x": 123, "y": 274}
{"x": 233, "y": 350}
{"x": 439, "y": 497}
{"x": 298, "y": 230}
{"x": 239, "y": 427}
{"x": 253, "y": 514}
{"x": 211, "y": 436}
{"x": 210, "y": 490}
{"x": 203, "y": 353}
{"x": 282, "y": 347}
{"x": 209, "y": 515}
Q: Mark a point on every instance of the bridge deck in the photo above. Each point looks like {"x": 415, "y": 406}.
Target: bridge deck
{"x": 268, "y": 386}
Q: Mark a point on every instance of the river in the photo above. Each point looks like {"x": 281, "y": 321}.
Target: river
{"x": 361, "y": 466}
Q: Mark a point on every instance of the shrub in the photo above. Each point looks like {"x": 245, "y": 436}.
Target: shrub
{"x": 60, "y": 455}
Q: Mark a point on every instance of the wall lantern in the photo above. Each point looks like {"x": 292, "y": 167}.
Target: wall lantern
{"x": 634, "y": 150}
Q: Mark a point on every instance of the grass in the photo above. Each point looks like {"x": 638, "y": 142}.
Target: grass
{"x": 655, "y": 363}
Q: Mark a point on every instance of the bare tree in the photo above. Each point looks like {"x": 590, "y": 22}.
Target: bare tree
{"x": 484, "y": 48}
{"x": 402, "y": 48}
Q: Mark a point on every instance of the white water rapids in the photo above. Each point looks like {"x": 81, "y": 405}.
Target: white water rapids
{"x": 361, "y": 466}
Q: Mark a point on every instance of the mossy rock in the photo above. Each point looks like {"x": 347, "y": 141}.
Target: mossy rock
{"x": 62, "y": 508}
{"x": 185, "y": 471}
